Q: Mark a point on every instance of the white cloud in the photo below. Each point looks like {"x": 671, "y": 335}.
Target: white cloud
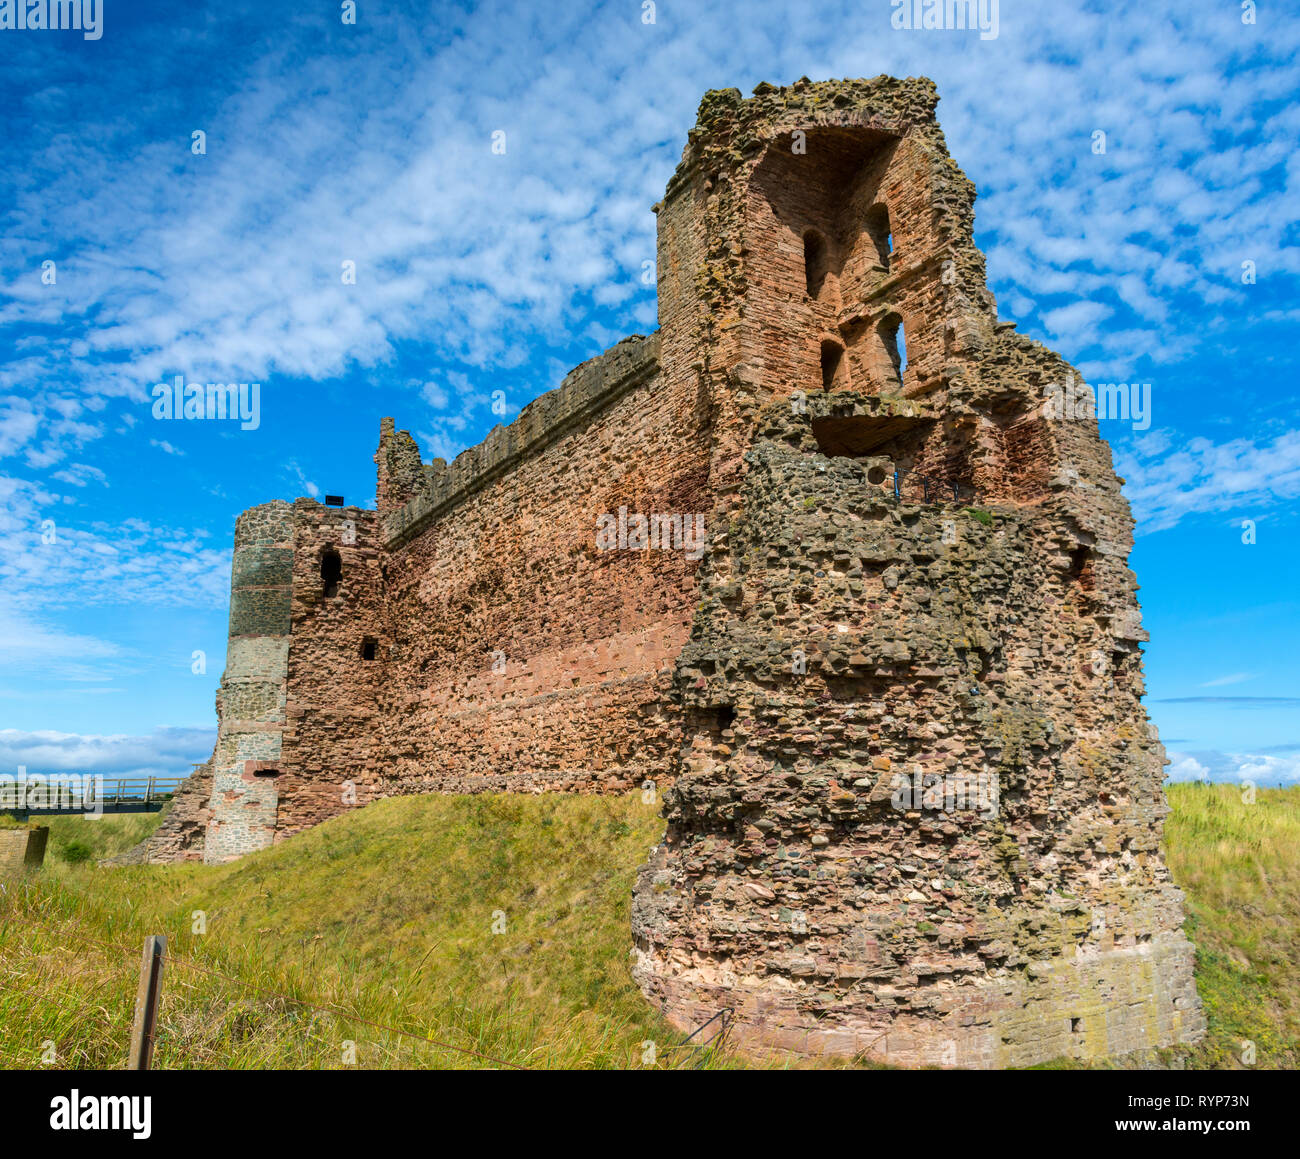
{"x": 1262, "y": 769}
{"x": 300, "y": 480}
{"x": 18, "y": 424}
{"x": 80, "y": 474}
{"x": 134, "y": 561}
{"x": 1239, "y": 478}
{"x": 165, "y": 752}
{"x": 1186, "y": 768}
{"x": 230, "y": 267}
{"x": 32, "y": 647}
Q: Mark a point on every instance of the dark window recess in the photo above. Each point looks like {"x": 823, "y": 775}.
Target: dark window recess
{"x": 831, "y": 357}
{"x": 877, "y": 225}
{"x": 266, "y": 772}
{"x": 726, "y": 716}
{"x": 1078, "y": 561}
{"x": 331, "y": 571}
{"x": 368, "y": 649}
{"x": 333, "y": 500}
{"x": 853, "y": 436}
{"x": 814, "y": 262}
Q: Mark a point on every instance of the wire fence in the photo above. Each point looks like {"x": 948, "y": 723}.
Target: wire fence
{"x": 126, "y": 956}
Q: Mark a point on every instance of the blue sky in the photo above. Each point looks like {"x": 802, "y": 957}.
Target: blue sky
{"x": 477, "y": 272}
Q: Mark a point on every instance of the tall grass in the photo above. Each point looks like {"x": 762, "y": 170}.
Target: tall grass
{"x": 498, "y": 926}
{"x": 495, "y": 924}
{"x": 75, "y": 839}
{"x": 1238, "y": 863}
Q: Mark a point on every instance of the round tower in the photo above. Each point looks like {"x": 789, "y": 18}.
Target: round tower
{"x": 251, "y": 697}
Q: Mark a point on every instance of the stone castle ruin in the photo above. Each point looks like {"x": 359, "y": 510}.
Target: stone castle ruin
{"x": 914, "y": 802}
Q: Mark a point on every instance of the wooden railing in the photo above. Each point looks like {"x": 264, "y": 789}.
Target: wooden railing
{"x": 140, "y": 791}
{"x": 116, "y": 794}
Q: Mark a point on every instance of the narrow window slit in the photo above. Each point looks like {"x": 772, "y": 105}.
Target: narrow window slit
{"x": 331, "y": 571}
{"x": 877, "y": 226}
{"x": 832, "y": 357}
{"x": 894, "y": 342}
{"x": 814, "y": 262}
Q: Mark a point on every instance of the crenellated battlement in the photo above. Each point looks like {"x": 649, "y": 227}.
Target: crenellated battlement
{"x": 574, "y": 403}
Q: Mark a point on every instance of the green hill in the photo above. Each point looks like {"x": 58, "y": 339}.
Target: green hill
{"x": 1236, "y": 861}
{"x": 498, "y": 926}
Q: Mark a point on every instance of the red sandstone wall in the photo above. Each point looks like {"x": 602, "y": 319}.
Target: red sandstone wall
{"x": 583, "y": 641}
{"x": 331, "y": 712}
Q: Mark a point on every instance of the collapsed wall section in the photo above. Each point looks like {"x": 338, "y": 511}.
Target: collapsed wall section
{"x": 912, "y": 822}
{"x": 918, "y": 596}
{"x": 181, "y": 832}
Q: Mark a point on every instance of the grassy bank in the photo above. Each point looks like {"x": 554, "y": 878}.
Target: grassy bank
{"x": 1237, "y": 863}
{"x": 499, "y": 926}
{"x": 76, "y": 840}
{"x": 495, "y": 924}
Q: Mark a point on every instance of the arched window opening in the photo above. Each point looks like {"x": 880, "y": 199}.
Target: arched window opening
{"x": 331, "y": 571}
{"x": 814, "y": 262}
{"x": 877, "y": 226}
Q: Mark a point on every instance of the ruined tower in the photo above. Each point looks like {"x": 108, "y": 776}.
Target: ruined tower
{"x": 251, "y": 698}
{"x": 918, "y": 807}
{"x": 914, "y": 802}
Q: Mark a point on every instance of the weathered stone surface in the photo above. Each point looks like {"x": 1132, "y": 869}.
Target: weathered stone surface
{"x": 180, "y": 834}
{"x": 915, "y": 803}
{"x": 980, "y": 625}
